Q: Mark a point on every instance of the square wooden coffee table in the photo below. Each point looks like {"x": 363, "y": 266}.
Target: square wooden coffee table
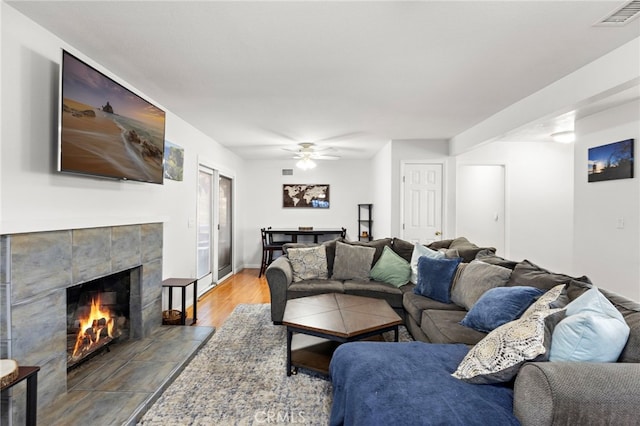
{"x": 331, "y": 319}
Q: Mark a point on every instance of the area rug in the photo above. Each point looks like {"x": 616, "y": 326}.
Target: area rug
{"x": 239, "y": 378}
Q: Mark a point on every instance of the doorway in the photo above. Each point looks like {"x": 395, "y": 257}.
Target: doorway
{"x": 422, "y": 202}
{"x": 480, "y": 205}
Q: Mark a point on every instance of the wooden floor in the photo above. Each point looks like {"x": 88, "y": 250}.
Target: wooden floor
{"x": 244, "y": 287}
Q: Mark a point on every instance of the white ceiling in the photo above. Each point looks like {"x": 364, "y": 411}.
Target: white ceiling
{"x": 257, "y": 76}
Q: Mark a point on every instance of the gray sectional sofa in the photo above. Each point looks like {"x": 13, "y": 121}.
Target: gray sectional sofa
{"x": 283, "y": 287}
{"x": 537, "y": 392}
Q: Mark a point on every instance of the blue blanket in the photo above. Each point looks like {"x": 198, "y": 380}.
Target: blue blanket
{"x": 406, "y": 384}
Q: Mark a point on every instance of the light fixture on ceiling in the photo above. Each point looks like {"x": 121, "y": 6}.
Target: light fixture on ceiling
{"x": 567, "y": 136}
{"x": 305, "y": 163}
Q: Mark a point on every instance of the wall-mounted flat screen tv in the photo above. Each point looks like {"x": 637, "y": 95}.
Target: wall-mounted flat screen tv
{"x": 105, "y": 129}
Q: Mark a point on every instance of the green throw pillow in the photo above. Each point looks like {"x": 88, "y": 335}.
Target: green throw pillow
{"x": 391, "y": 268}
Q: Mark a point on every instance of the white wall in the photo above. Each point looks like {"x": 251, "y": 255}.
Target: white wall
{"x": 349, "y": 182}
{"x": 607, "y": 254}
{"x": 381, "y": 181}
{"x": 36, "y": 198}
{"x": 539, "y": 199}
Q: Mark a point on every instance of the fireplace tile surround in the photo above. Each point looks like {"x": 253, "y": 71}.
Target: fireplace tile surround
{"x": 35, "y": 271}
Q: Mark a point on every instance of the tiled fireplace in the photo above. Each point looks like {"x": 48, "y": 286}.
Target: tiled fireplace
{"x": 36, "y": 269}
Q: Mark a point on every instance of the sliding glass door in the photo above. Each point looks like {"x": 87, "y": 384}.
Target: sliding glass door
{"x": 225, "y": 249}
{"x": 205, "y": 229}
{"x": 215, "y": 228}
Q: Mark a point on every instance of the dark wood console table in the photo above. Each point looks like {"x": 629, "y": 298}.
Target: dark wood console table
{"x": 30, "y": 374}
{"x": 293, "y": 233}
{"x": 183, "y": 283}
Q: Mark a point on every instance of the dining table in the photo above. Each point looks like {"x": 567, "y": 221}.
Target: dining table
{"x": 291, "y": 234}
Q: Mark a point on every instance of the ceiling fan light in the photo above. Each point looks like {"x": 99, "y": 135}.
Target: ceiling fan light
{"x": 306, "y": 164}
{"x": 564, "y": 137}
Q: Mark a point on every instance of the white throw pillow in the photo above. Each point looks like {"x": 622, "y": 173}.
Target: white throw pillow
{"x": 420, "y": 250}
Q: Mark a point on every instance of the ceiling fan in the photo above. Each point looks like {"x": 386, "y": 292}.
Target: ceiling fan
{"x": 313, "y": 151}
{"x": 306, "y": 152}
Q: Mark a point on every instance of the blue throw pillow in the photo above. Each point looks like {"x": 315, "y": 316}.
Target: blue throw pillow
{"x": 435, "y": 277}
{"x": 500, "y": 305}
{"x": 418, "y": 251}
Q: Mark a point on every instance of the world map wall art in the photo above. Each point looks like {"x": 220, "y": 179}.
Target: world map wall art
{"x": 305, "y": 196}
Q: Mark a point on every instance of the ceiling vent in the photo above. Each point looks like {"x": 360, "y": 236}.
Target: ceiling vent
{"x": 621, "y": 16}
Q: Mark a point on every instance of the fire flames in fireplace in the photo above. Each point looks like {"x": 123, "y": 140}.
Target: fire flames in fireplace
{"x": 98, "y": 315}
{"x": 96, "y": 328}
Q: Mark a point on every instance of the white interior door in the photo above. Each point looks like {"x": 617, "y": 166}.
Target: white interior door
{"x": 422, "y": 203}
{"x": 480, "y": 205}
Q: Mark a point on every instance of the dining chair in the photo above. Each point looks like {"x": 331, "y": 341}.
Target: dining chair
{"x": 268, "y": 248}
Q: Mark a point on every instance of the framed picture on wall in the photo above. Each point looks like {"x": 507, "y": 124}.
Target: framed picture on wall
{"x": 305, "y": 196}
{"x": 611, "y": 161}
{"x": 173, "y": 161}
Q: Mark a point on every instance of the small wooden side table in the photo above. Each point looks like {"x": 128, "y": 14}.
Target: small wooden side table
{"x": 30, "y": 374}
{"x": 183, "y": 283}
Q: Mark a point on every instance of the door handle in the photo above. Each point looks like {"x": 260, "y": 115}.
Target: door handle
{"x": 438, "y": 233}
